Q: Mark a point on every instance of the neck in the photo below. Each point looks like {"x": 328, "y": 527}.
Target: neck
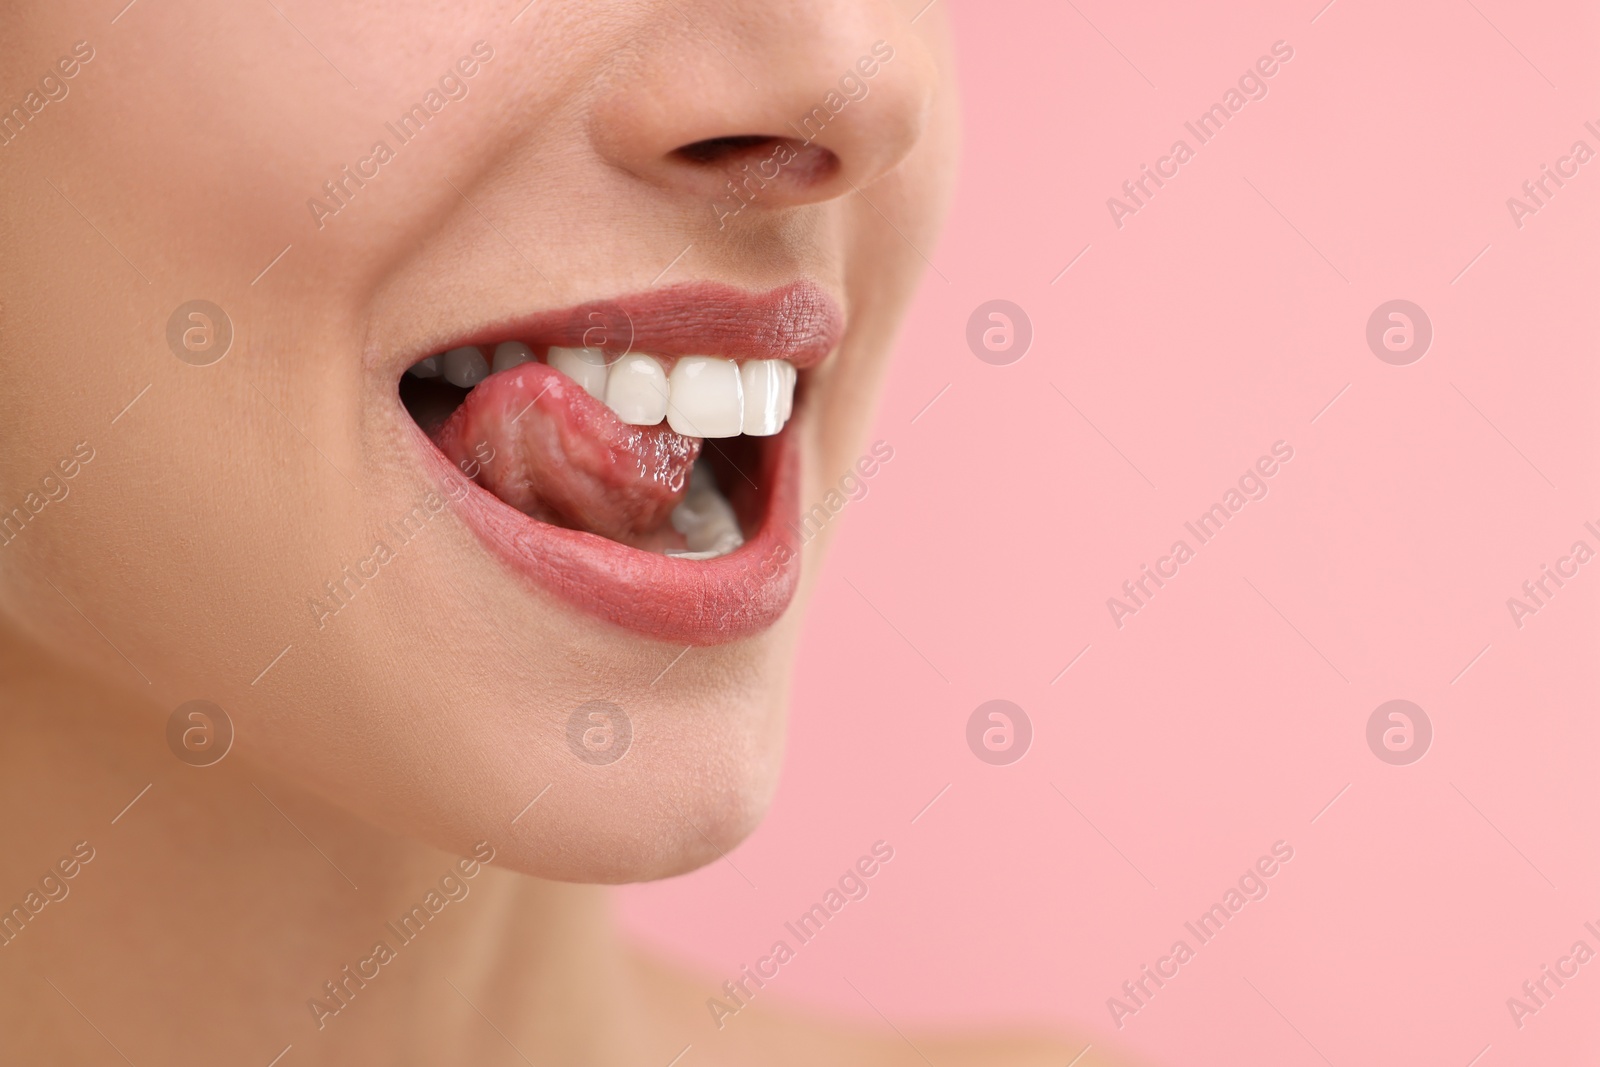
{"x": 218, "y": 913}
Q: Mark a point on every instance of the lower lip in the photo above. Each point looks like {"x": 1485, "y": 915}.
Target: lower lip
{"x": 692, "y": 602}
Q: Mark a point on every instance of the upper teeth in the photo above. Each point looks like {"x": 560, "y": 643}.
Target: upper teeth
{"x": 636, "y": 389}
{"x": 702, "y": 397}
{"x": 586, "y": 366}
{"x": 465, "y": 367}
{"x": 508, "y": 354}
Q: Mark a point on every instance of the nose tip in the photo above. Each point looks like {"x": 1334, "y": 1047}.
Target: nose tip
{"x": 766, "y": 111}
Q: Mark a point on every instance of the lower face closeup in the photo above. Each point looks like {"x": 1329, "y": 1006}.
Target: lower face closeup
{"x": 442, "y": 385}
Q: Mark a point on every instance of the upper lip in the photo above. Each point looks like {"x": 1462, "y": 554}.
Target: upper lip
{"x": 799, "y": 322}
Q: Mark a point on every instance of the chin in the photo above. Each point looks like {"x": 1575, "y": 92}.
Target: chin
{"x": 638, "y": 846}
{"x": 639, "y": 783}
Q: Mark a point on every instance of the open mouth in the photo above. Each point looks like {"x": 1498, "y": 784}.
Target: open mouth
{"x": 635, "y": 455}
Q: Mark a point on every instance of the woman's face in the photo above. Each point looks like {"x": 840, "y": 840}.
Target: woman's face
{"x": 230, "y": 232}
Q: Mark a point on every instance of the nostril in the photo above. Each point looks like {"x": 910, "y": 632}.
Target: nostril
{"x": 721, "y": 149}
{"x": 772, "y": 158}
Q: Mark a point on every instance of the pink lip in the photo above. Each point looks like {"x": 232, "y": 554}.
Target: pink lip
{"x": 695, "y": 602}
{"x": 798, "y": 322}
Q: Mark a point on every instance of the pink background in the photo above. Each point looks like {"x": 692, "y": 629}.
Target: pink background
{"x": 1230, "y": 711}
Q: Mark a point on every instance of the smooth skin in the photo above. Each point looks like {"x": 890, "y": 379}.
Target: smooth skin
{"x": 179, "y": 560}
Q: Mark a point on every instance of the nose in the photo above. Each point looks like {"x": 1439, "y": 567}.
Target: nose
{"x": 764, "y": 105}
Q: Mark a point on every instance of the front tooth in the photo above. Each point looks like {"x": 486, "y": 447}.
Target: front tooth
{"x": 425, "y": 368}
{"x": 637, "y": 390}
{"x": 789, "y": 377}
{"x": 465, "y": 367}
{"x": 508, "y": 354}
{"x": 587, "y": 367}
{"x": 765, "y": 387}
{"x": 707, "y": 397}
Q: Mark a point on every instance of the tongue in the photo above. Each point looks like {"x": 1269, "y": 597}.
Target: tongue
{"x": 534, "y": 438}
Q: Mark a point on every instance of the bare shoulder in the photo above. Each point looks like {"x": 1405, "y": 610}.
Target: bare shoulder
{"x": 767, "y": 1033}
